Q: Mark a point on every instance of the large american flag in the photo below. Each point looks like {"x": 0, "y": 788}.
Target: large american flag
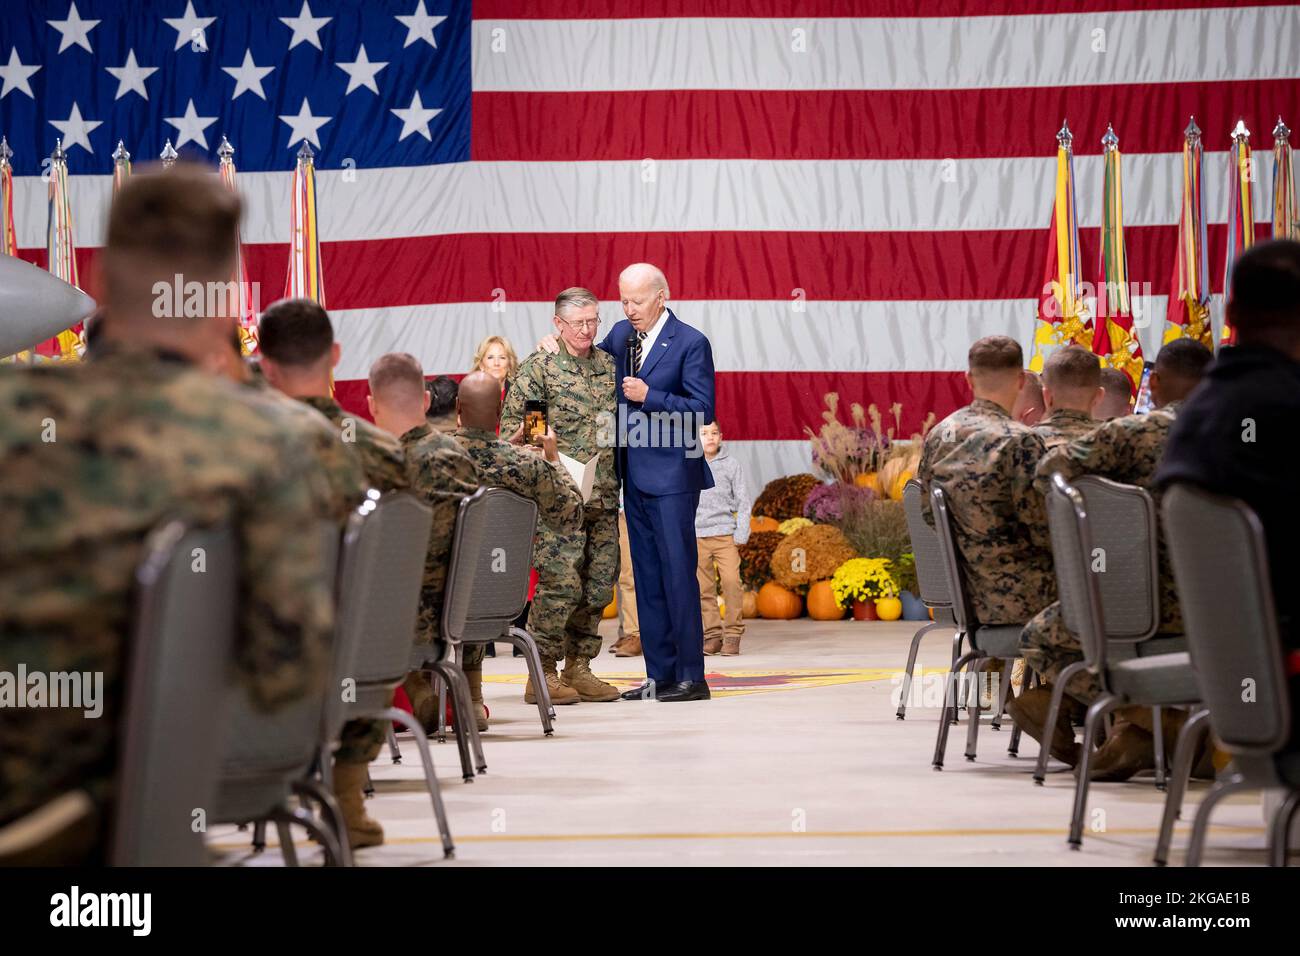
{"x": 843, "y": 194}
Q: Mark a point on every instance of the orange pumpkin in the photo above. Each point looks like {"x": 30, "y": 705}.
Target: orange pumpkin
{"x": 760, "y": 523}
{"x": 778, "y": 603}
{"x": 904, "y": 476}
{"x": 611, "y": 609}
{"x": 749, "y": 609}
{"x": 868, "y": 479}
{"x": 821, "y": 602}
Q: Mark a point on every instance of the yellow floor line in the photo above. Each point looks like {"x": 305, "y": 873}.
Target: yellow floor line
{"x": 813, "y": 834}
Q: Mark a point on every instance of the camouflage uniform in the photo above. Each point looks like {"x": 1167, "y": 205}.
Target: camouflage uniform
{"x": 1064, "y": 425}
{"x": 384, "y": 466}
{"x": 339, "y": 461}
{"x": 575, "y": 572}
{"x": 1126, "y": 449}
{"x": 559, "y": 511}
{"x": 441, "y": 475}
{"x": 985, "y": 461}
{"x": 96, "y": 455}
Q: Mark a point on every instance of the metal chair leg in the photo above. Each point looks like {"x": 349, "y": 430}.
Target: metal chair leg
{"x": 1003, "y": 689}
{"x": 947, "y": 715}
{"x": 520, "y": 638}
{"x": 1279, "y": 837}
{"x": 393, "y": 750}
{"x": 901, "y": 713}
{"x": 322, "y": 834}
{"x": 1100, "y": 707}
{"x": 467, "y": 737}
{"x": 1201, "y": 824}
{"x": 974, "y": 705}
{"x": 462, "y": 741}
{"x": 1053, "y": 709}
{"x": 286, "y": 843}
{"x": 957, "y": 639}
{"x": 331, "y": 813}
{"x": 1159, "y": 741}
{"x": 259, "y": 836}
{"x": 1189, "y": 741}
{"x": 430, "y": 778}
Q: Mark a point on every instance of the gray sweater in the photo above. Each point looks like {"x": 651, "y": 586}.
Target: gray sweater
{"x": 724, "y": 508}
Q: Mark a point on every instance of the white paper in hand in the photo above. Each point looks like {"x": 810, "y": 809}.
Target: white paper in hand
{"x": 584, "y": 476}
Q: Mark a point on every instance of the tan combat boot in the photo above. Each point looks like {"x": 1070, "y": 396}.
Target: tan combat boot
{"x": 561, "y": 693}
{"x": 475, "y": 678}
{"x": 730, "y": 645}
{"x": 349, "y": 782}
{"x": 424, "y": 703}
{"x": 631, "y": 647}
{"x": 578, "y": 676}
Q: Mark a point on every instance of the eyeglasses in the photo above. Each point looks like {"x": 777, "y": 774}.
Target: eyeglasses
{"x": 582, "y": 326}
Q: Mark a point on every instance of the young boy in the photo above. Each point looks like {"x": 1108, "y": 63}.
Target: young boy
{"x": 721, "y": 523}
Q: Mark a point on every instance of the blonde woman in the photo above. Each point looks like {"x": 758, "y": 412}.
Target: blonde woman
{"x": 495, "y": 356}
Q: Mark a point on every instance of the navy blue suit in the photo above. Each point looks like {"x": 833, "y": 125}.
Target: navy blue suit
{"x": 663, "y": 470}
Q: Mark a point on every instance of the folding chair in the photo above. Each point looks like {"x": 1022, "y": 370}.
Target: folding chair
{"x": 988, "y": 643}
{"x": 933, "y": 582}
{"x": 1111, "y": 513}
{"x": 1221, "y": 566}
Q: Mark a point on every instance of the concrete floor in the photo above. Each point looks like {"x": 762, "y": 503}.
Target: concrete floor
{"x": 798, "y": 760}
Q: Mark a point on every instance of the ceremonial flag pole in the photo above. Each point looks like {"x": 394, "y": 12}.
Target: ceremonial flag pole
{"x": 305, "y": 280}
{"x": 1286, "y": 204}
{"x": 1241, "y": 212}
{"x": 1062, "y": 313}
{"x": 121, "y": 167}
{"x": 60, "y": 243}
{"x": 242, "y": 301}
{"x": 168, "y": 156}
{"x": 1189, "y": 298}
{"x": 8, "y": 234}
{"x": 1113, "y": 337}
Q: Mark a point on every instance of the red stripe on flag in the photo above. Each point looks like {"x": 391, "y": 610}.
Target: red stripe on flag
{"x": 773, "y": 406}
{"x": 864, "y": 124}
{"x": 634, "y": 9}
{"x": 828, "y": 266}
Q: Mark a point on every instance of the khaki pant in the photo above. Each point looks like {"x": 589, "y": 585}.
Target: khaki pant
{"x": 626, "y": 588}
{"x": 720, "y": 550}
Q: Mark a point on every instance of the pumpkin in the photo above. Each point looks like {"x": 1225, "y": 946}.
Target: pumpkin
{"x": 749, "y": 609}
{"x": 889, "y": 609}
{"x": 821, "y": 602}
{"x": 778, "y": 603}
{"x": 611, "y": 609}
{"x": 888, "y": 474}
{"x": 760, "y": 523}
{"x": 868, "y": 479}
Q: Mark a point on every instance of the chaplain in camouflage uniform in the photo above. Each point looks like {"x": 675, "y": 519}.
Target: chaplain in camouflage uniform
{"x": 1126, "y": 449}
{"x": 539, "y": 477}
{"x": 97, "y": 455}
{"x": 298, "y": 356}
{"x": 1071, "y": 390}
{"x": 576, "y": 572}
{"x": 441, "y": 476}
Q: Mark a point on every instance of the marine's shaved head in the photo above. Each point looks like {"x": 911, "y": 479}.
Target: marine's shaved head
{"x": 479, "y": 401}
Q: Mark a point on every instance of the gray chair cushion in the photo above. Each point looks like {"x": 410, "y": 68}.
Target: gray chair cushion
{"x": 1163, "y": 679}
{"x": 1162, "y": 645}
{"x": 1000, "y": 641}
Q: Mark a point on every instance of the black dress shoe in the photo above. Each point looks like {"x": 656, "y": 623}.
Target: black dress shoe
{"x": 686, "y": 690}
{"x": 645, "y": 692}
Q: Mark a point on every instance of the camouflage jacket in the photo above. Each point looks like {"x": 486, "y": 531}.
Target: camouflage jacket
{"x": 96, "y": 455}
{"x": 578, "y": 393}
{"x": 339, "y": 461}
{"x": 1127, "y": 449}
{"x": 502, "y": 465}
{"x": 985, "y": 461}
{"x": 1064, "y": 425}
{"x": 440, "y": 475}
{"x": 380, "y": 453}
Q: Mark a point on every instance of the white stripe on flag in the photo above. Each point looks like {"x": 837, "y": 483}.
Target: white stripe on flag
{"x": 931, "y": 53}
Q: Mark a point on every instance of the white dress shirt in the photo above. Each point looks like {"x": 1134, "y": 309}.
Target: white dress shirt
{"x": 648, "y": 342}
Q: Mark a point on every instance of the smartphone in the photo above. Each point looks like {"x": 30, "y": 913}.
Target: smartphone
{"x": 1143, "y": 403}
{"x": 535, "y": 425}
